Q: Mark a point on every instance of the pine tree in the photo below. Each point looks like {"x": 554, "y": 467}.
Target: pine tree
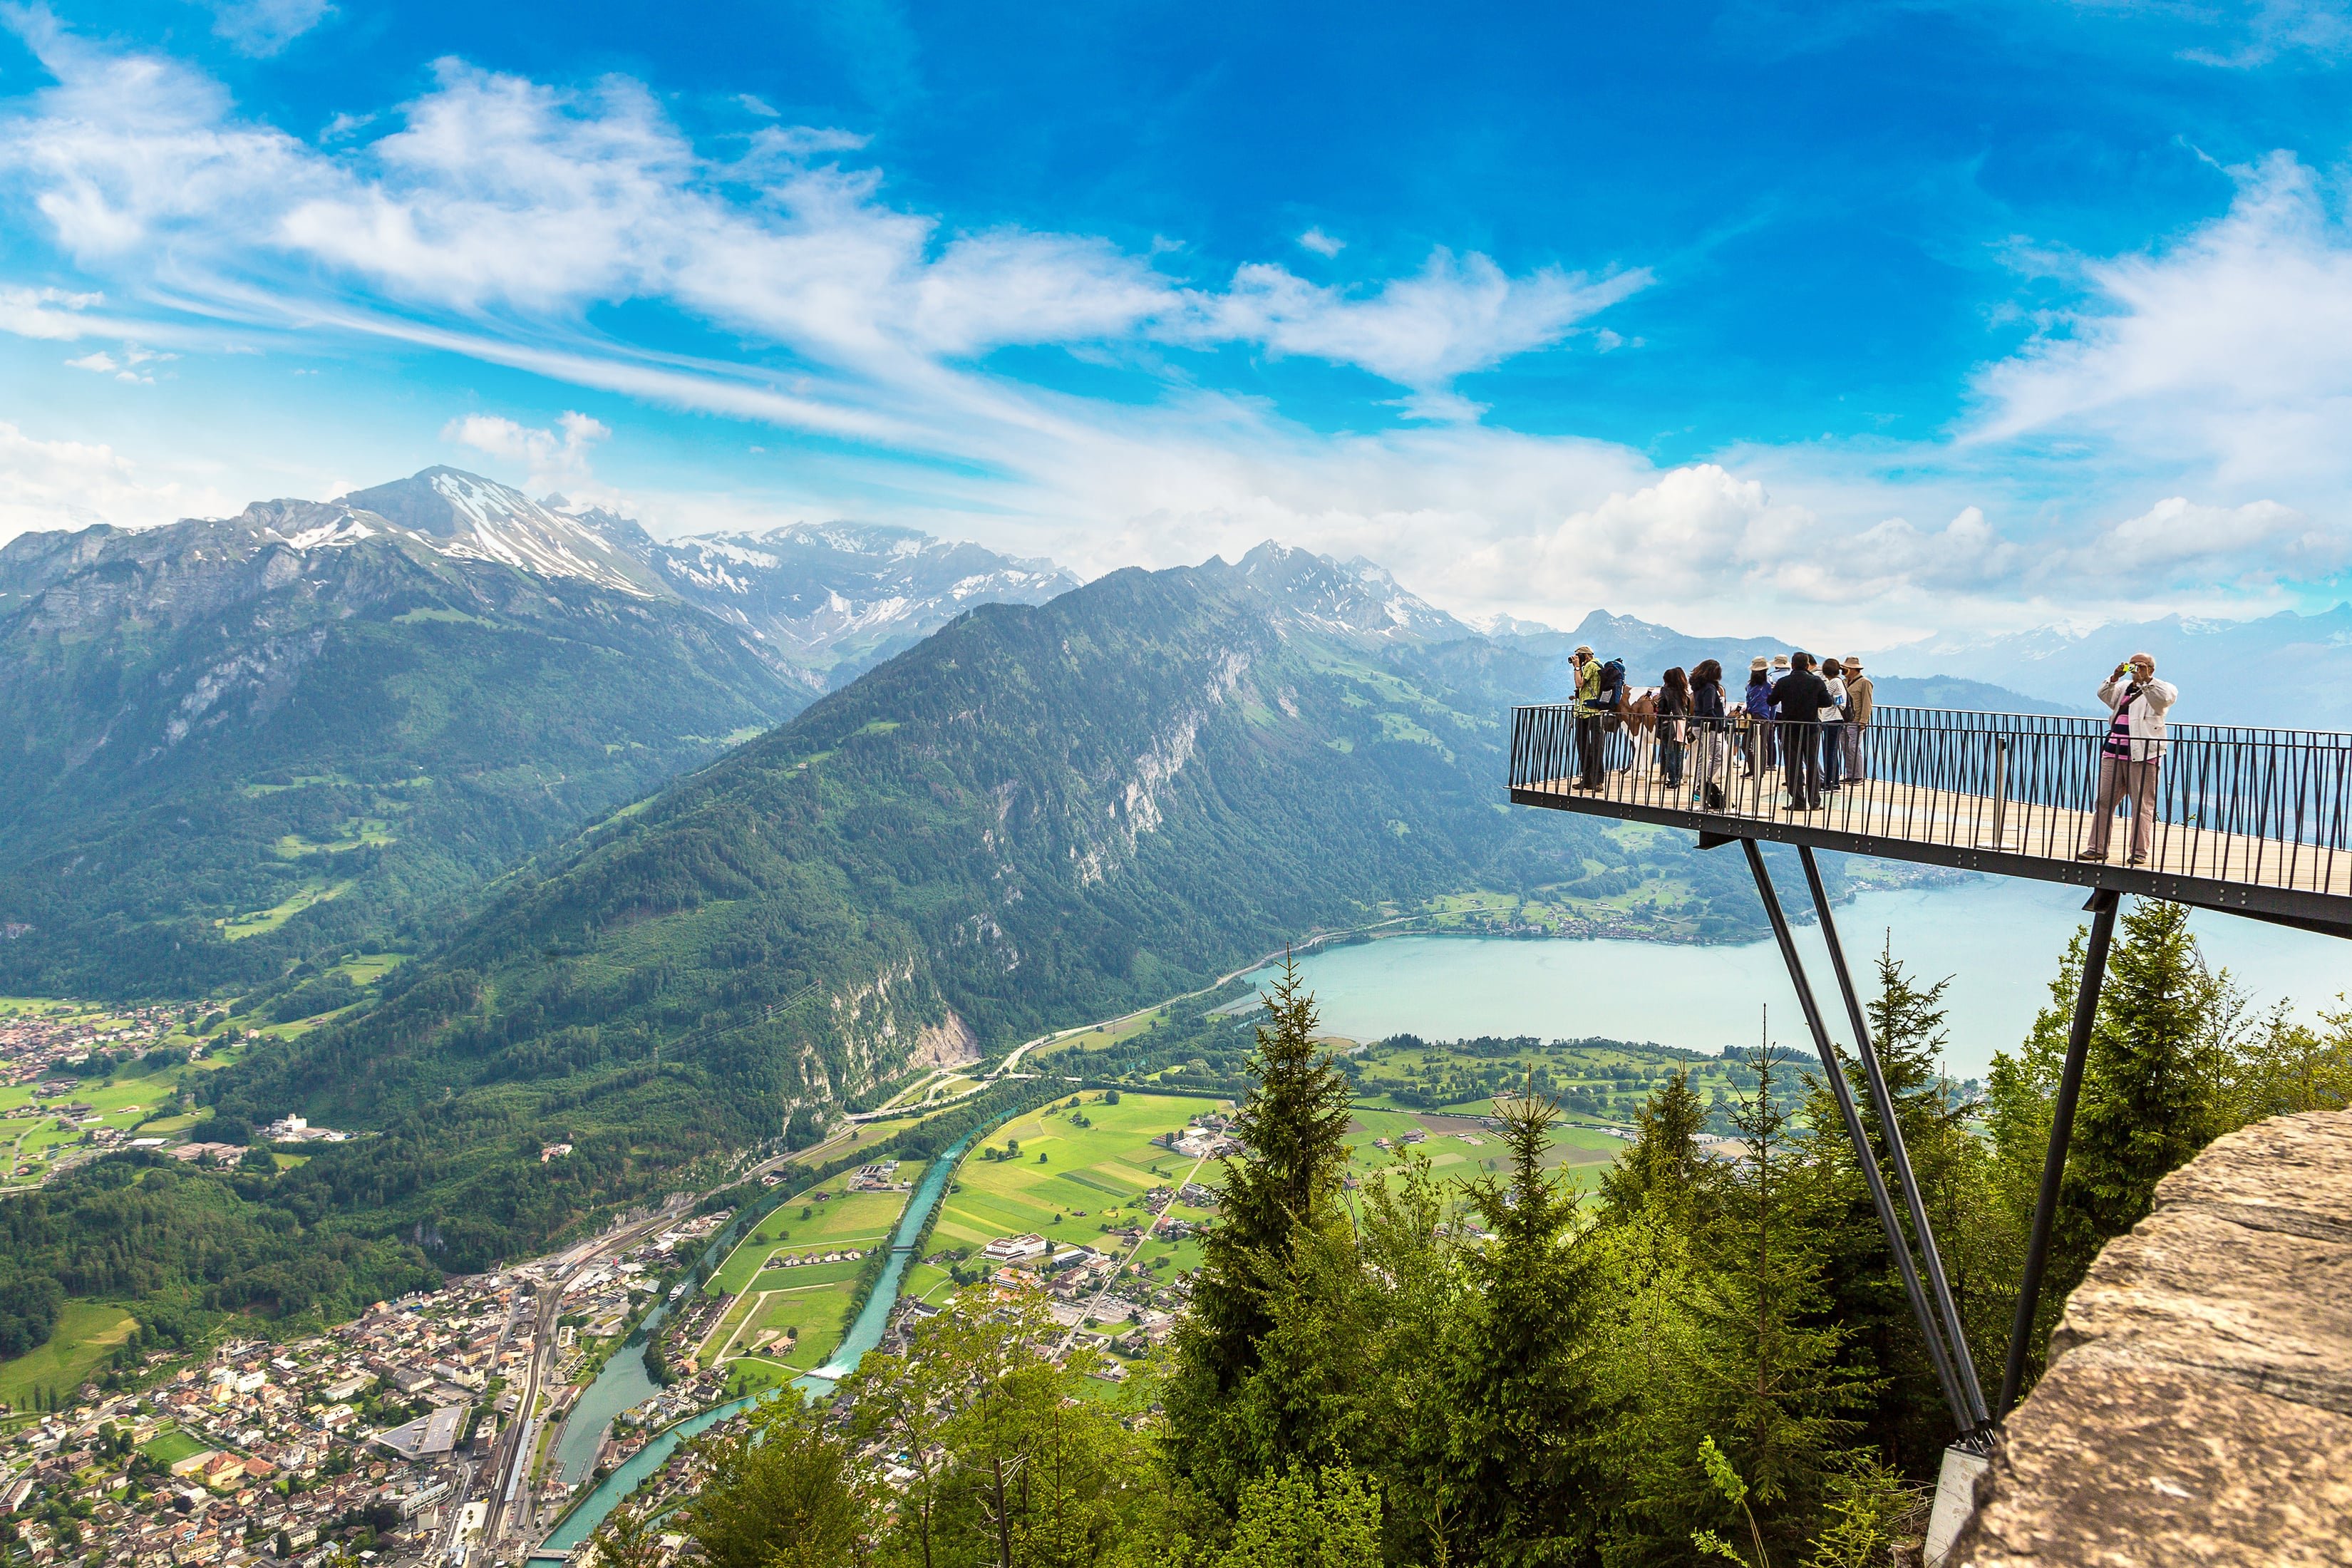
{"x": 1661, "y": 1167}
{"x": 1525, "y": 1471}
{"x": 1277, "y": 1196}
{"x": 1761, "y": 1370}
{"x": 2148, "y": 1088}
{"x": 1909, "y": 1419}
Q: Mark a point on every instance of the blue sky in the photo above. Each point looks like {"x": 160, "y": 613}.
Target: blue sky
{"x": 1879, "y": 319}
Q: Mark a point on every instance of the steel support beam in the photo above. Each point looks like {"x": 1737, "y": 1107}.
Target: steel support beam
{"x": 2061, "y": 1129}
{"x": 1964, "y": 1365}
{"x": 1843, "y": 1093}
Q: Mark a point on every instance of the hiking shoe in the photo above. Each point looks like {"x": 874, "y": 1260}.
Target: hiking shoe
{"x": 2100, "y": 855}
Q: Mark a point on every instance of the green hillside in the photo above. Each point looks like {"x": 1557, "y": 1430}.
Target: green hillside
{"x": 1036, "y": 817}
{"x": 227, "y": 755}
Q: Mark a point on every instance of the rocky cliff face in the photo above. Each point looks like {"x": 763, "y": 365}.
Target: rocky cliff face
{"x": 2198, "y": 1408}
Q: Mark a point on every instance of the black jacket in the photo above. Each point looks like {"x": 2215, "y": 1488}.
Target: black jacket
{"x": 1800, "y": 695}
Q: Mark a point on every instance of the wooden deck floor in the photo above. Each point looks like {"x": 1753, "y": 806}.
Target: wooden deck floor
{"x": 1949, "y": 820}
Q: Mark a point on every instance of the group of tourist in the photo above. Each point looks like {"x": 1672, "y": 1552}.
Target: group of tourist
{"x": 1813, "y": 725}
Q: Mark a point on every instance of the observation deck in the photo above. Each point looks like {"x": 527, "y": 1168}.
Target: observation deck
{"x": 2253, "y": 822}
{"x": 2247, "y": 821}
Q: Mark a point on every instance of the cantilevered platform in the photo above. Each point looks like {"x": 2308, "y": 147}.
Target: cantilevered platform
{"x": 2253, "y": 822}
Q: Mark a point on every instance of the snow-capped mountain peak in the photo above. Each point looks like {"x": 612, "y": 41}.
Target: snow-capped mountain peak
{"x": 837, "y": 598}
{"x": 1358, "y": 596}
{"x": 466, "y": 517}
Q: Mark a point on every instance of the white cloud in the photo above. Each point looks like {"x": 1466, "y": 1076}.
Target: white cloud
{"x": 1455, "y": 316}
{"x": 498, "y": 214}
{"x": 123, "y": 369}
{"x": 2267, "y": 29}
{"x": 554, "y": 456}
{"x": 499, "y": 193}
{"x": 2231, "y": 349}
{"x": 267, "y": 27}
{"x": 2255, "y": 544}
{"x": 69, "y": 484}
{"x": 50, "y": 313}
{"x": 1321, "y": 243}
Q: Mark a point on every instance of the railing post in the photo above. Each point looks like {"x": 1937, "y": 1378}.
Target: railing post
{"x": 1999, "y": 791}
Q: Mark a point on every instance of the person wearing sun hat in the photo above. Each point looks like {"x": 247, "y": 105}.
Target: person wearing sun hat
{"x": 1857, "y": 716}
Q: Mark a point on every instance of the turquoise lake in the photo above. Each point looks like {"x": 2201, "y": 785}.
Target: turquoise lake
{"x": 1999, "y": 941}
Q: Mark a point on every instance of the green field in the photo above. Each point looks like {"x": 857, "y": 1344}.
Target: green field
{"x": 844, "y": 1219}
{"x": 314, "y": 890}
{"x": 1089, "y": 1175}
{"x": 170, "y": 1445}
{"x": 86, "y": 1334}
{"x": 130, "y": 1101}
{"x": 1580, "y": 1153}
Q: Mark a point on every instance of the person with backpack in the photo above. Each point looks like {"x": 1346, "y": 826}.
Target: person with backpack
{"x": 1708, "y": 719}
{"x": 1613, "y": 708}
{"x": 1588, "y": 720}
{"x": 1800, "y": 697}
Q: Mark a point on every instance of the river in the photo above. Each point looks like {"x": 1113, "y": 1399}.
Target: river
{"x": 1999, "y": 938}
{"x": 623, "y": 1381}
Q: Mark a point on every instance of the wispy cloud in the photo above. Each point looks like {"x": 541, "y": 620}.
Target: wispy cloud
{"x": 264, "y": 27}
{"x": 2230, "y": 349}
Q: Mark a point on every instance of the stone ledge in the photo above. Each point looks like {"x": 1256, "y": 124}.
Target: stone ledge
{"x": 2198, "y": 1407}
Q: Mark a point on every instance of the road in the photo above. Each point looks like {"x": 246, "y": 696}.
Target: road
{"x": 1095, "y": 1305}
{"x": 511, "y": 1513}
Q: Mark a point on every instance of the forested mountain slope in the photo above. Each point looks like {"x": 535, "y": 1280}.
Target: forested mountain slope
{"x": 231, "y": 746}
{"x": 227, "y": 745}
{"x": 1036, "y": 816}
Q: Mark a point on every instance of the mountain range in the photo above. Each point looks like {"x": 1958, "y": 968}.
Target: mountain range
{"x": 1035, "y": 815}
{"x": 2291, "y": 671}
{"x": 679, "y": 835}
{"x": 234, "y": 743}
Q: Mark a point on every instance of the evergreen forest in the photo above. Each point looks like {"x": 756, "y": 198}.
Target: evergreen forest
{"x": 1711, "y": 1360}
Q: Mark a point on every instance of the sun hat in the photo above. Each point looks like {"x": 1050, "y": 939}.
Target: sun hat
{"x": 1583, "y": 649}
{"x": 1759, "y": 662}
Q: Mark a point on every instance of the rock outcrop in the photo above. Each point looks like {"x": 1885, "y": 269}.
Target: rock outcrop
{"x": 2197, "y": 1406}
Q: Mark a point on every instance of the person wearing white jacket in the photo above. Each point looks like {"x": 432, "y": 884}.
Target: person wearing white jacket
{"x": 2131, "y": 752}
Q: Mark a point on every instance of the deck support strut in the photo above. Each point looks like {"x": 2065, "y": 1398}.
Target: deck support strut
{"x": 1967, "y": 1415}
{"x": 1964, "y": 1365}
{"x": 2061, "y": 1129}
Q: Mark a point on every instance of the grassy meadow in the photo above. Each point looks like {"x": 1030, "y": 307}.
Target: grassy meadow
{"x": 87, "y": 1333}
{"x": 1091, "y": 1176}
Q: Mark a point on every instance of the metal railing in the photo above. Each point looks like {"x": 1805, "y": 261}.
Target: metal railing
{"x": 2259, "y": 806}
